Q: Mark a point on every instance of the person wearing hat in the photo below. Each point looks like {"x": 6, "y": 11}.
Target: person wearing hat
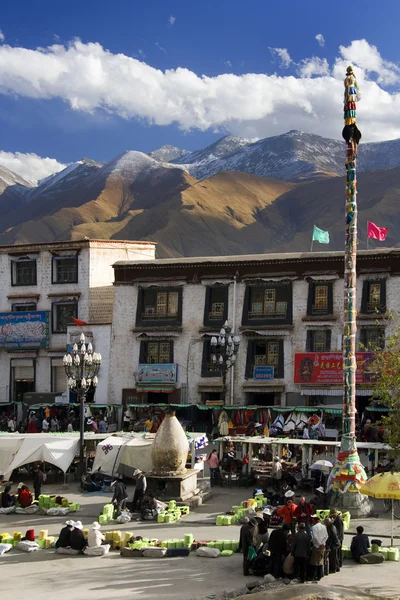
{"x": 319, "y": 536}
{"x": 140, "y": 489}
{"x": 247, "y": 542}
{"x": 64, "y": 537}
{"x": 320, "y": 500}
{"x": 95, "y": 542}
{"x": 338, "y": 523}
{"x": 286, "y": 512}
{"x": 78, "y": 542}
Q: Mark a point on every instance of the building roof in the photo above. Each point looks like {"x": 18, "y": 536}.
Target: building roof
{"x": 73, "y": 244}
{"x": 277, "y": 264}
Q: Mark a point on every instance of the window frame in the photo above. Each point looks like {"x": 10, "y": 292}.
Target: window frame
{"x": 312, "y": 311}
{"x": 365, "y": 297}
{"x": 279, "y": 368}
{"x": 364, "y": 343}
{"x": 264, "y": 318}
{"x": 54, "y": 265}
{"x": 143, "y": 351}
{"x": 164, "y": 320}
{"x": 310, "y": 340}
{"x": 18, "y": 304}
{"x": 54, "y": 316}
{"x": 14, "y": 265}
{"x": 208, "y": 320}
{"x": 206, "y": 362}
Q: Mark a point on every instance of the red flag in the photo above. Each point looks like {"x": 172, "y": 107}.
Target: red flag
{"x": 78, "y": 322}
{"x": 377, "y": 233}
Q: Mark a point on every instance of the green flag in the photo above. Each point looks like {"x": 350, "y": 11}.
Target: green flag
{"x": 320, "y": 236}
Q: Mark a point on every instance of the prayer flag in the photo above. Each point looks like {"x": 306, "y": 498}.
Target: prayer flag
{"x": 377, "y": 233}
{"x": 320, "y": 236}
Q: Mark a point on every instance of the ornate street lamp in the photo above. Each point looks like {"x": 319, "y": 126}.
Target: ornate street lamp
{"x": 224, "y": 350}
{"x": 81, "y": 367}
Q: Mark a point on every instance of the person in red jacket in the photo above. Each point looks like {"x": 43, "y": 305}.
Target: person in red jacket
{"x": 25, "y": 497}
{"x": 287, "y": 511}
{"x": 303, "y": 513}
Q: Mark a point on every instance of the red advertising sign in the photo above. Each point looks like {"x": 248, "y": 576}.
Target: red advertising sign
{"x": 326, "y": 368}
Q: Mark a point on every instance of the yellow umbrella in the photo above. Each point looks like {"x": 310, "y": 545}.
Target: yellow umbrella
{"x": 384, "y": 485}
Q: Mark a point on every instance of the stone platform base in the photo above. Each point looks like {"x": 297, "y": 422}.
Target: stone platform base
{"x": 175, "y": 487}
{"x": 358, "y": 505}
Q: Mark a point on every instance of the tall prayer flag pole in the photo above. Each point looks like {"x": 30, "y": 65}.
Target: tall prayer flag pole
{"x": 348, "y": 474}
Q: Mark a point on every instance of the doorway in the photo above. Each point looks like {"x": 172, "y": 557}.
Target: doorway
{"x": 22, "y": 377}
{"x": 261, "y": 398}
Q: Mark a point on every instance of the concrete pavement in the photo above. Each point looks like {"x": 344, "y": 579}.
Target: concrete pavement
{"x": 44, "y": 572}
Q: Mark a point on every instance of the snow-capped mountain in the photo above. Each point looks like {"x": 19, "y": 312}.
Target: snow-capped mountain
{"x": 9, "y": 179}
{"x": 168, "y": 153}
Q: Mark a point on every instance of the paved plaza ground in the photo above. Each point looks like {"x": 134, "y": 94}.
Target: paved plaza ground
{"x": 44, "y": 574}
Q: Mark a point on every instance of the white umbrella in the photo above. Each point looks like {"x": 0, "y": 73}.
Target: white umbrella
{"x": 322, "y": 465}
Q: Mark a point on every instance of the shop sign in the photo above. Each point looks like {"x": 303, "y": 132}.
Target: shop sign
{"x": 326, "y": 368}
{"x": 27, "y": 330}
{"x": 157, "y": 374}
{"x": 264, "y": 373}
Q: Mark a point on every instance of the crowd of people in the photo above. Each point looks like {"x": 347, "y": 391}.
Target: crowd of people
{"x": 303, "y": 547}
{"x": 71, "y": 540}
{"x": 48, "y": 422}
{"x": 23, "y": 496}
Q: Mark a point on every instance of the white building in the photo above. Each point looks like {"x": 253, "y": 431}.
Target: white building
{"x": 287, "y": 309}
{"x": 43, "y": 287}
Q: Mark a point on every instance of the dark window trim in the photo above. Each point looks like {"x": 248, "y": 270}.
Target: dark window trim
{"x": 14, "y": 304}
{"x": 280, "y": 371}
{"x": 158, "y": 322}
{"x": 207, "y": 321}
{"x": 20, "y": 261}
{"x": 288, "y": 320}
{"x": 365, "y": 297}
{"x": 363, "y": 347}
{"x": 11, "y": 387}
{"x": 310, "y": 339}
{"x": 53, "y": 314}
{"x": 143, "y": 350}
{"x": 206, "y": 361}
{"x": 313, "y": 312}
{"x": 54, "y": 260}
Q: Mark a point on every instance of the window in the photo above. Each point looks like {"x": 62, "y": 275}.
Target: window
{"x": 216, "y": 306}
{"x": 58, "y": 376}
{"x": 318, "y": 340}
{"x": 372, "y": 338}
{"x": 265, "y": 353}
{"x": 320, "y": 298}
{"x": 156, "y": 352}
{"x": 268, "y": 304}
{"x": 23, "y": 272}
{"x": 373, "y": 297}
{"x": 208, "y": 368}
{"x": 159, "y": 306}
{"x": 63, "y": 313}
{"x": 28, "y": 307}
{"x": 65, "y": 269}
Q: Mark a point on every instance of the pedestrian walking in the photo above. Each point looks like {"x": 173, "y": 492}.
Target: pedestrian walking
{"x": 141, "y": 487}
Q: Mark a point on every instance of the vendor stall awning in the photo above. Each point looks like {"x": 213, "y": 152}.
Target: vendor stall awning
{"x": 377, "y": 409}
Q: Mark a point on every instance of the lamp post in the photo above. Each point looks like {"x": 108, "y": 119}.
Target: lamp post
{"x": 224, "y": 350}
{"x": 81, "y": 367}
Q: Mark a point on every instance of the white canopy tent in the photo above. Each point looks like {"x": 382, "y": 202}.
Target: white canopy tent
{"x": 54, "y": 450}
{"x": 8, "y": 449}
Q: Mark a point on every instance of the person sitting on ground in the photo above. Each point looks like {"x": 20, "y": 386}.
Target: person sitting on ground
{"x": 120, "y": 495}
{"x": 149, "y": 510}
{"x": 95, "y": 546}
{"x": 7, "y": 499}
{"x": 78, "y": 542}
{"x": 359, "y": 544}
{"x": 300, "y": 551}
{"x": 87, "y": 483}
{"x": 64, "y": 538}
{"x": 25, "y": 497}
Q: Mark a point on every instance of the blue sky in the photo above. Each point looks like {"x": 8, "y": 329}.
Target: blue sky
{"x": 117, "y": 88}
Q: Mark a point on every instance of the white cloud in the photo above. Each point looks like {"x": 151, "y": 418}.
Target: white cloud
{"x": 30, "y": 166}
{"x": 2, "y": 36}
{"x": 90, "y": 78}
{"x": 141, "y": 53}
{"x": 320, "y": 39}
{"x": 171, "y": 20}
{"x": 161, "y": 48}
{"x": 282, "y": 55}
{"x": 313, "y": 66}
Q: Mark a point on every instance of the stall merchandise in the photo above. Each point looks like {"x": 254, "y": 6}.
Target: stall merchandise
{"x": 173, "y": 513}
{"x": 247, "y": 507}
{"x": 46, "y": 503}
